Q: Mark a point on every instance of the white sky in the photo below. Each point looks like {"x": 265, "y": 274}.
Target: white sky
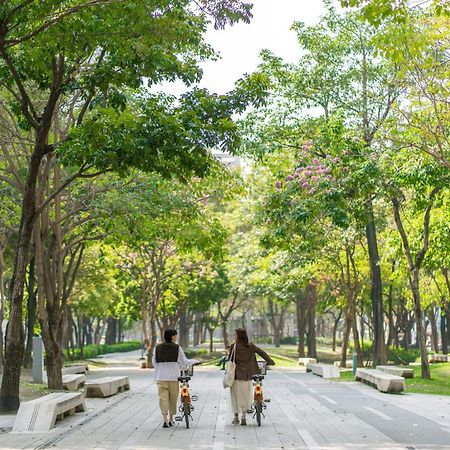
{"x": 239, "y": 46}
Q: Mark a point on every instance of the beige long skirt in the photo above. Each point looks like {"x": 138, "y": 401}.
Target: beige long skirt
{"x": 241, "y": 396}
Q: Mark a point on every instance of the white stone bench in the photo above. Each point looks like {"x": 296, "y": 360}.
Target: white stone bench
{"x": 79, "y": 368}
{"x": 324, "y": 370}
{"x": 436, "y": 357}
{"x": 306, "y": 361}
{"x": 104, "y": 387}
{"x": 404, "y": 372}
{"x": 384, "y": 382}
{"x": 41, "y": 414}
{"x": 348, "y": 364}
{"x": 73, "y": 382}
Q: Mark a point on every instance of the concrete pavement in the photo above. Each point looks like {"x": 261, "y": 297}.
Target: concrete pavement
{"x": 305, "y": 412}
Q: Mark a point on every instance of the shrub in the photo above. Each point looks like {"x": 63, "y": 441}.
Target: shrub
{"x": 92, "y": 351}
{"x": 191, "y": 353}
{"x": 263, "y": 340}
{"x": 289, "y": 340}
{"x": 402, "y": 356}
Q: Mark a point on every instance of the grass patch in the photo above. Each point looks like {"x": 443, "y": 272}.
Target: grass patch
{"x": 438, "y": 385}
{"x": 346, "y": 375}
{"x": 283, "y": 361}
{"x": 324, "y": 352}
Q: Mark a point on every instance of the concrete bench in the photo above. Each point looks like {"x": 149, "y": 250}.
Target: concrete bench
{"x": 404, "y": 372}
{"x": 79, "y": 368}
{"x": 384, "y": 382}
{"x": 324, "y": 370}
{"x": 41, "y": 414}
{"x": 105, "y": 387}
{"x": 306, "y": 361}
{"x": 73, "y": 382}
{"x": 436, "y": 357}
{"x": 348, "y": 364}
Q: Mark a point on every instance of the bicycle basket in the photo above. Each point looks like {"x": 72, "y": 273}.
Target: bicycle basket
{"x": 262, "y": 367}
{"x": 187, "y": 371}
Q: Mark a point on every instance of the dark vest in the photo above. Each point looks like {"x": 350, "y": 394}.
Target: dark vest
{"x": 166, "y": 352}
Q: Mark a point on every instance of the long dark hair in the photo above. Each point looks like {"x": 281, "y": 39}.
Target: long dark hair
{"x": 241, "y": 336}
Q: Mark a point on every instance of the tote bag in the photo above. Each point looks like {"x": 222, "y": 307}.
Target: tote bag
{"x": 230, "y": 369}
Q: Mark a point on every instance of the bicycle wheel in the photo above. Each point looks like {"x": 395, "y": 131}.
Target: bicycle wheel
{"x": 258, "y": 408}
{"x": 187, "y": 412}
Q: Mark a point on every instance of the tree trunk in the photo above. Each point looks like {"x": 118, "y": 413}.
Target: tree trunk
{"x": 345, "y": 337}
{"x": 153, "y": 336}
{"x": 54, "y": 360}
{"x": 111, "y": 331}
{"x": 300, "y": 306}
{"x": 376, "y": 289}
{"x": 434, "y": 330}
{"x": 144, "y": 315}
{"x": 99, "y": 329}
{"x": 182, "y": 339}
{"x": 421, "y": 336}
{"x": 89, "y": 331}
{"x": 2, "y": 306}
{"x": 31, "y": 314}
{"x": 211, "y": 339}
{"x": 277, "y": 325}
{"x": 335, "y": 326}
{"x": 443, "y": 329}
{"x": 14, "y": 341}
{"x": 223, "y": 325}
{"x": 391, "y": 327}
{"x": 356, "y": 343}
{"x": 414, "y": 267}
{"x": 311, "y": 295}
{"x": 120, "y": 330}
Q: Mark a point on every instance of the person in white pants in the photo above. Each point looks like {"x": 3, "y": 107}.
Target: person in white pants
{"x": 167, "y": 359}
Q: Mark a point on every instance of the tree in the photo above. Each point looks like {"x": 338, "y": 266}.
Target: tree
{"x": 88, "y": 77}
{"x": 341, "y": 74}
{"x": 427, "y": 181}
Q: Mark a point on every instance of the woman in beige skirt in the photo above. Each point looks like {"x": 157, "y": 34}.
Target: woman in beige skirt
{"x": 245, "y": 358}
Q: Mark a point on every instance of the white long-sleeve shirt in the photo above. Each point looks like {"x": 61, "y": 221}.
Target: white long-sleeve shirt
{"x": 170, "y": 371}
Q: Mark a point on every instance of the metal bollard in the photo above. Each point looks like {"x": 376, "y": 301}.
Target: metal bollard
{"x": 355, "y": 363}
{"x": 38, "y": 360}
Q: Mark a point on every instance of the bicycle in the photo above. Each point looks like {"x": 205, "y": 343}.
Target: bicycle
{"x": 186, "y": 399}
{"x": 259, "y": 402}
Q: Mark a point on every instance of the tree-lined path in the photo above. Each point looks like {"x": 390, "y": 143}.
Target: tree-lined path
{"x": 305, "y": 412}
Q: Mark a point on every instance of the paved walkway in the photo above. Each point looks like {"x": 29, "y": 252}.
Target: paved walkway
{"x": 306, "y": 412}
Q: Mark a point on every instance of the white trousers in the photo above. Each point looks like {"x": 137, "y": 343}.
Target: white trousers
{"x": 241, "y": 396}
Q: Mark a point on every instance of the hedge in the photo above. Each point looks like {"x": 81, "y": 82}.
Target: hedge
{"x": 92, "y": 351}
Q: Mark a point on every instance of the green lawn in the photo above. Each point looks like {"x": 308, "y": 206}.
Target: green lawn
{"x": 438, "y": 385}
{"x": 324, "y": 352}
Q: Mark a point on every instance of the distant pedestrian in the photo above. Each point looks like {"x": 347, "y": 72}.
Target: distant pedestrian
{"x": 243, "y": 353}
{"x": 167, "y": 359}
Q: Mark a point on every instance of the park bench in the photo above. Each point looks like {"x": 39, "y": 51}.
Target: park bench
{"x": 324, "y": 370}
{"x": 41, "y": 414}
{"x": 384, "y": 382}
{"x": 404, "y": 372}
{"x": 75, "y": 369}
{"x": 105, "y": 387}
{"x": 72, "y": 382}
{"x": 348, "y": 364}
{"x": 306, "y": 361}
{"x": 436, "y": 357}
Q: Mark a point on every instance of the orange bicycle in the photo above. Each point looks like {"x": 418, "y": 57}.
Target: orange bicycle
{"x": 259, "y": 402}
{"x": 186, "y": 399}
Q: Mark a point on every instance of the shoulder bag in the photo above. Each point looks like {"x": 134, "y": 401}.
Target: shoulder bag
{"x": 230, "y": 369}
